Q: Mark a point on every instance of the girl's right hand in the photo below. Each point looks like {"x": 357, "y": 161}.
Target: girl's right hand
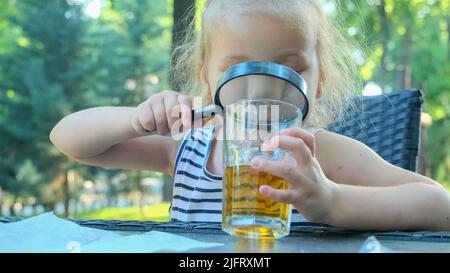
{"x": 161, "y": 114}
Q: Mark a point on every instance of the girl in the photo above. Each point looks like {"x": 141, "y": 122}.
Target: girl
{"x": 335, "y": 180}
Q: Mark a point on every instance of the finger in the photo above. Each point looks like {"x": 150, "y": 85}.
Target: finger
{"x": 282, "y": 196}
{"x": 186, "y": 110}
{"x": 281, "y": 169}
{"x": 306, "y": 136}
{"x": 137, "y": 125}
{"x": 146, "y": 118}
{"x": 171, "y": 108}
{"x": 298, "y": 148}
{"x": 160, "y": 117}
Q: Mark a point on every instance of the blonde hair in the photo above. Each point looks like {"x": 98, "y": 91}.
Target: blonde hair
{"x": 334, "y": 51}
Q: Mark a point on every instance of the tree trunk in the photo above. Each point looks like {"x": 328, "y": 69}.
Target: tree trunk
{"x": 385, "y": 37}
{"x": 66, "y": 196}
{"x": 404, "y": 70}
{"x": 183, "y": 14}
{"x": 1, "y": 201}
{"x": 167, "y": 188}
{"x": 75, "y": 204}
{"x": 422, "y": 161}
{"x": 11, "y": 208}
{"x": 141, "y": 194}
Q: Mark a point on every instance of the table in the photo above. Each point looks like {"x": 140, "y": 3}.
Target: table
{"x": 302, "y": 243}
{"x": 304, "y": 237}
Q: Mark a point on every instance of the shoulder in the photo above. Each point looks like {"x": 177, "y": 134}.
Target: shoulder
{"x": 340, "y": 156}
{"x": 328, "y": 144}
{"x": 328, "y": 141}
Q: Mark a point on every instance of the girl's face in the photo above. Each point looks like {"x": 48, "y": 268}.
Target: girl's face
{"x": 261, "y": 37}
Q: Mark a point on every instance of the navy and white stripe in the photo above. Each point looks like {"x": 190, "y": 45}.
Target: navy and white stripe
{"x": 197, "y": 194}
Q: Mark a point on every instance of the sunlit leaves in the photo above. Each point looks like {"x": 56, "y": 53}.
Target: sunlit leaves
{"x": 10, "y": 94}
{"x": 427, "y": 23}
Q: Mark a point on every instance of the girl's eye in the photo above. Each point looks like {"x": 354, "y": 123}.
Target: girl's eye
{"x": 302, "y": 69}
{"x": 298, "y": 68}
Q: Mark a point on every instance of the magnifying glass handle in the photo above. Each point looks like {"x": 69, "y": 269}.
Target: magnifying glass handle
{"x": 205, "y": 112}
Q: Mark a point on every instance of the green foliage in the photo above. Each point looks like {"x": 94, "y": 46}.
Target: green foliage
{"x": 407, "y": 45}
{"x": 68, "y": 62}
{"x": 158, "y": 213}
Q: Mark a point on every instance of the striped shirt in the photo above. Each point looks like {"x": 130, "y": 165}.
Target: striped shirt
{"x": 197, "y": 193}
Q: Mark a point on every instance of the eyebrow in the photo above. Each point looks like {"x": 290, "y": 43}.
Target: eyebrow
{"x": 234, "y": 58}
{"x": 281, "y": 57}
{"x": 289, "y": 54}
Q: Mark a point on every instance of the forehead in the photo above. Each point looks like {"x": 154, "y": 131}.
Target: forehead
{"x": 260, "y": 35}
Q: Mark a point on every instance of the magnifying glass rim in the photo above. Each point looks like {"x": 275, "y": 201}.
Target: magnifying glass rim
{"x": 265, "y": 69}
{"x": 250, "y": 101}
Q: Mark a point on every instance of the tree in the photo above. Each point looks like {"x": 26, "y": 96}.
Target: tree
{"x": 45, "y": 70}
{"x": 51, "y": 68}
{"x": 408, "y": 46}
{"x": 183, "y": 15}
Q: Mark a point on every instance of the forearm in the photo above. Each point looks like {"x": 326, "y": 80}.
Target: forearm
{"x": 92, "y": 131}
{"x": 413, "y": 206}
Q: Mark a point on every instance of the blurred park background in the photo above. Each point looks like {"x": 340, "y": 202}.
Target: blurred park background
{"x": 61, "y": 56}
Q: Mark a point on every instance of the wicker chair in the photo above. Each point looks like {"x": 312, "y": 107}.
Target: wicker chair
{"x": 389, "y": 124}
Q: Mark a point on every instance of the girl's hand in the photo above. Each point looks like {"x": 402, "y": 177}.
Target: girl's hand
{"x": 309, "y": 190}
{"x": 161, "y": 114}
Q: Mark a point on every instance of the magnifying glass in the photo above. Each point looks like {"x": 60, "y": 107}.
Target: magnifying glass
{"x": 257, "y": 80}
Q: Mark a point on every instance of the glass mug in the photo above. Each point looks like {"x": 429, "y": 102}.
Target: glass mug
{"x": 248, "y": 123}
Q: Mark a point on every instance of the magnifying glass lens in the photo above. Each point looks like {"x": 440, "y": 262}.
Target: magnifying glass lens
{"x": 257, "y": 80}
{"x": 260, "y": 87}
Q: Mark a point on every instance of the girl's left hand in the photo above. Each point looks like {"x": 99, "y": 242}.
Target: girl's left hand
{"x": 309, "y": 190}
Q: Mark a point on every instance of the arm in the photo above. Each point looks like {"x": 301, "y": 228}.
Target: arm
{"x": 140, "y": 138}
{"x": 359, "y": 190}
{"x": 104, "y": 136}
{"x": 411, "y": 206}
{"x": 402, "y": 199}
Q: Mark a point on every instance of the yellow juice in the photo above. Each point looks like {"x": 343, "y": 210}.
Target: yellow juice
{"x": 247, "y": 213}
